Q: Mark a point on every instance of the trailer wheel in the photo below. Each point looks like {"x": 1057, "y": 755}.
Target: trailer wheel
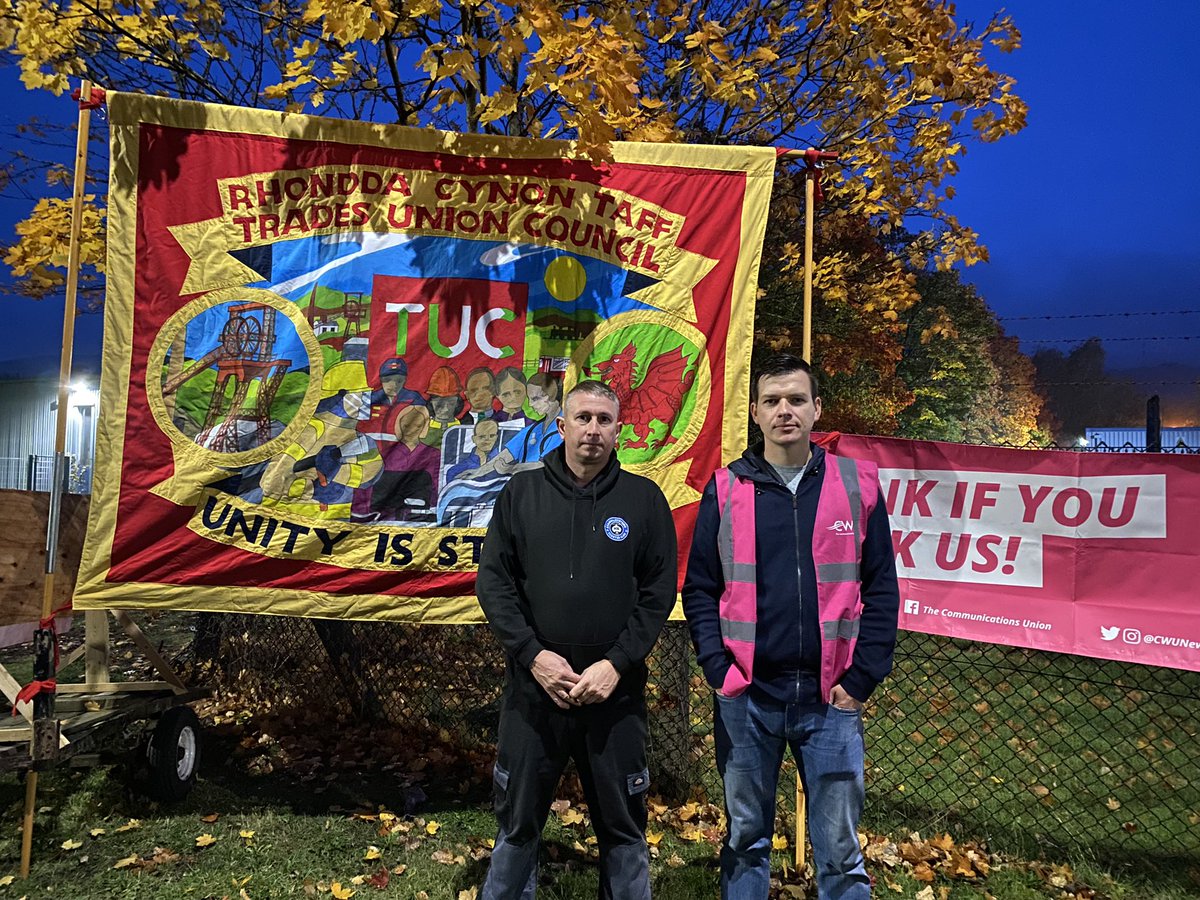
{"x": 174, "y": 754}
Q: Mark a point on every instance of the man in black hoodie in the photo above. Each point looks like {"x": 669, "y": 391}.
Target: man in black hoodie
{"x": 791, "y": 598}
{"x": 577, "y": 577}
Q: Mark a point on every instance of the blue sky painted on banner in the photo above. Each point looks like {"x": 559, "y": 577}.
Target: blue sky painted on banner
{"x": 349, "y": 263}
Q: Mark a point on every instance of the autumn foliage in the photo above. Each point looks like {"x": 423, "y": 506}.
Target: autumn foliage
{"x": 897, "y": 89}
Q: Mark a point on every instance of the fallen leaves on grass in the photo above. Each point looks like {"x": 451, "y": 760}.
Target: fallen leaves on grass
{"x": 380, "y": 879}
{"x": 96, "y": 832}
{"x": 373, "y": 852}
{"x": 571, "y": 816}
{"x": 205, "y": 840}
{"x": 924, "y": 860}
{"x": 447, "y": 858}
{"x": 693, "y": 822}
{"x": 268, "y": 737}
{"x": 339, "y": 892}
{"x": 131, "y": 825}
{"x": 922, "y": 872}
{"x": 70, "y": 844}
{"x": 210, "y": 818}
{"x": 432, "y": 828}
{"x": 159, "y": 856}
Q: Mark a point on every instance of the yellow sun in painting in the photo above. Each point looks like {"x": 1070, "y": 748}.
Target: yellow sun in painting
{"x": 565, "y": 278}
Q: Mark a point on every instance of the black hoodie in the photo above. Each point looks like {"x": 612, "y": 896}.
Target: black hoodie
{"x": 589, "y": 573}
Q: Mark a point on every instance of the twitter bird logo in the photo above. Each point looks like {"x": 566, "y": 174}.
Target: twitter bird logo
{"x": 1109, "y": 634}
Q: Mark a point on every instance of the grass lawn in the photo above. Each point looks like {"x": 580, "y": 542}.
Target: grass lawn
{"x": 1034, "y": 751}
{"x": 250, "y": 830}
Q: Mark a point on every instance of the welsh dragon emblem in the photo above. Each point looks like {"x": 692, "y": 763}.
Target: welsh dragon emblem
{"x": 657, "y": 396}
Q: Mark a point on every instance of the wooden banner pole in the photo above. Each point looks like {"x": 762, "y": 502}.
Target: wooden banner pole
{"x": 43, "y": 702}
{"x": 813, "y": 159}
{"x": 810, "y": 184}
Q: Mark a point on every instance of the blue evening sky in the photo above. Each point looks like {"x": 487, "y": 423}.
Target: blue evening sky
{"x": 1089, "y": 211}
{"x": 1092, "y": 208}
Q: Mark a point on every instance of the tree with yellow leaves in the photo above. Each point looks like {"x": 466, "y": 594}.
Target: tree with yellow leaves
{"x": 903, "y": 347}
{"x": 896, "y": 87}
{"x": 970, "y": 382}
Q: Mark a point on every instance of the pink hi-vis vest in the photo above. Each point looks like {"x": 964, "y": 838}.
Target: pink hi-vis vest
{"x": 849, "y": 492}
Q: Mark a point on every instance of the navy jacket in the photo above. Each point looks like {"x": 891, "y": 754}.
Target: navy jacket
{"x": 787, "y": 649}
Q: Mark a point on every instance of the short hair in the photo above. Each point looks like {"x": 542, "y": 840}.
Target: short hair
{"x": 782, "y": 364}
{"x": 484, "y": 371}
{"x": 545, "y": 381}
{"x": 510, "y": 372}
{"x": 596, "y": 389}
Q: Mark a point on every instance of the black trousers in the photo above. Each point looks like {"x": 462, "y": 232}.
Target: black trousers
{"x": 607, "y": 741}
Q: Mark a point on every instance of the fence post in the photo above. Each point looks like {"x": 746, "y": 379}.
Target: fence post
{"x": 1153, "y": 426}
{"x": 31, "y": 472}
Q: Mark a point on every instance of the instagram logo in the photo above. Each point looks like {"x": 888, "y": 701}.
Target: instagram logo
{"x": 1131, "y": 636}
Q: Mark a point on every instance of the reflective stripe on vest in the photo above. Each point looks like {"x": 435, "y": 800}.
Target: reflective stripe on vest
{"x": 846, "y": 501}
{"x": 738, "y": 608}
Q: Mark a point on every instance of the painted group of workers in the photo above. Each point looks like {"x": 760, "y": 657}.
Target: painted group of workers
{"x": 375, "y": 454}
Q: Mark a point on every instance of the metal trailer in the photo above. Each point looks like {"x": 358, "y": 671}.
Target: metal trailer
{"x": 147, "y": 725}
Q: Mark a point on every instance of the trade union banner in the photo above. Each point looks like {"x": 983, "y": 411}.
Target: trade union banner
{"x": 329, "y": 344}
{"x": 1085, "y": 553}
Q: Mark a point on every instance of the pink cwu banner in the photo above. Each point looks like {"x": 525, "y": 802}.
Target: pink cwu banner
{"x": 1087, "y": 553}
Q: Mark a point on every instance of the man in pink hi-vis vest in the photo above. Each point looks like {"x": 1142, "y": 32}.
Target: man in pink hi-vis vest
{"x": 792, "y": 600}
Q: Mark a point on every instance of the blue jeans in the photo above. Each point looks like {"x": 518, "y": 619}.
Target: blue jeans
{"x": 827, "y": 744}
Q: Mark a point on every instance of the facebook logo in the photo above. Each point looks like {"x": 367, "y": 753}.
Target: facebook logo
{"x": 912, "y": 607}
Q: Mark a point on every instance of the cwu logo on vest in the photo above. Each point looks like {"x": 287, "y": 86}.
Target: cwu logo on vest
{"x": 842, "y": 526}
{"x": 616, "y": 528}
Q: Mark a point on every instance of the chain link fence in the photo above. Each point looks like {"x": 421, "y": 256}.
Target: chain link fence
{"x": 1033, "y": 752}
{"x": 1039, "y": 754}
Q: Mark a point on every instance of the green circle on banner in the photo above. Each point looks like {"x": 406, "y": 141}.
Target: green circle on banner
{"x": 657, "y": 366}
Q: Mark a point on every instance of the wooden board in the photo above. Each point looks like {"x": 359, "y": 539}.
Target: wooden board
{"x": 23, "y": 517}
